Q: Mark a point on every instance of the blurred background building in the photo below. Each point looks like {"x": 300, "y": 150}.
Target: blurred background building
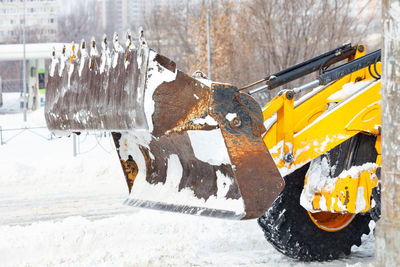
{"x": 41, "y": 20}
{"x": 118, "y": 15}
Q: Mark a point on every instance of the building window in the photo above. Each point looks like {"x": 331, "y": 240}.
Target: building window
{"x": 11, "y": 21}
{"x": 51, "y": 20}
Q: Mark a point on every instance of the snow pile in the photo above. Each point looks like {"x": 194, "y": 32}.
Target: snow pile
{"x": 347, "y": 90}
{"x": 209, "y": 146}
{"x": 207, "y": 120}
{"x": 318, "y": 177}
{"x": 147, "y": 238}
{"x": 355, "y": 171}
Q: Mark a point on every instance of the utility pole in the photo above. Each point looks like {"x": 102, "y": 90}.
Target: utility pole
{"x": 74, "y": 145}
{"x": 24, "y": 67}
{"x": 208, "y": 41}
{"x": 388, "y": 227}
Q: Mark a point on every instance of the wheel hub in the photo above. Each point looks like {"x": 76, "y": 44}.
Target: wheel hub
{"x": 331, "y": 222}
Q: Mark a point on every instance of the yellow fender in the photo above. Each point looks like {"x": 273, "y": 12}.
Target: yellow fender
{"x": 351, "y": 192}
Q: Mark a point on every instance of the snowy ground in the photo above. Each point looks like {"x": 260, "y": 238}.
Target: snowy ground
{"x": 57, "y": 210}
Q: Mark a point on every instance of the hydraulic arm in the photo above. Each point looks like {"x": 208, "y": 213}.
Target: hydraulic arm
{"x": 321, "y": 64}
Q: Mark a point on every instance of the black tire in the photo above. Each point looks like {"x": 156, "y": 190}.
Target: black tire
{"x": 289, "y": 228}
{"x": 376, "y": 204}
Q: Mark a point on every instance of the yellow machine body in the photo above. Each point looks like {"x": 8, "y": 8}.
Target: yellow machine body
{"x": 303, "y": 130}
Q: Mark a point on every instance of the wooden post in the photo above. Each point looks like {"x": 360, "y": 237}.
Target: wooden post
{"x": 387, "y": 243}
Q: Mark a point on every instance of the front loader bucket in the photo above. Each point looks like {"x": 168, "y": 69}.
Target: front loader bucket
{"x": 185, "y": 145}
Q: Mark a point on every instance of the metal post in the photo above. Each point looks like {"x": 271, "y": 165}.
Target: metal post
{"x": 24, "y": 67}
{"x": 74, "y": 145}
{"x": 208, "y": 44}
{"x": 306, "y": 86}
{"x": 387, "y": 235}
{"x": 103, "y": 14}
{"x": 1, "y": 92}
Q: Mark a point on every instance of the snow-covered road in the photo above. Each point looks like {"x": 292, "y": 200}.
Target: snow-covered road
{"x": 57, "y": 210}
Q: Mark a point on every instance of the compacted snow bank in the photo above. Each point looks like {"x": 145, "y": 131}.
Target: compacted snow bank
{"x": 145, "y": 238}
{"x": 148, "y": 238}
{"x": 58, "y": 210}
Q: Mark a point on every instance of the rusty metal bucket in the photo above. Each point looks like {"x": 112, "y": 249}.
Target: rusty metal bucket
{"x": 185, "y": 144}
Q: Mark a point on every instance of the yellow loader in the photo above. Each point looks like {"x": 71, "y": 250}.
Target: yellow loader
{"x": 307, "y": 167}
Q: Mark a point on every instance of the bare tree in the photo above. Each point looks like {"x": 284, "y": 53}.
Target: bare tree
{"x": 168, "y": 30}
{"x": 284, "y": 32}
{"x": 222, "y": 35}
{"x": 79, "y": 24}
{"x": 252, "y": 39}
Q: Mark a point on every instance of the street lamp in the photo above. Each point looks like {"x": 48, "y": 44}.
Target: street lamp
{"x": 24, "y": 66}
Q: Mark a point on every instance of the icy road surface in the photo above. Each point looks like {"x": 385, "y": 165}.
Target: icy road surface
{"x": 57, "y": 210}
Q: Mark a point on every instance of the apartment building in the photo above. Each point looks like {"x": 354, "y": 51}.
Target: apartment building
{"x": 120, "y": 15}
{"x": 40, "y": 16}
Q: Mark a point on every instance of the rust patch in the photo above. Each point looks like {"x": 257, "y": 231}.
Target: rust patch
{"x": 256, "y": 118}
{"x": 130, "y": 170}
{"x": 165, "y": 62}
{"x": 347, "y": 198}
{"x": 256, "y": 174}
{"x": 177, "y": 103}
{"x": 192, "y": 126}
{"x": 129, "y": 166}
